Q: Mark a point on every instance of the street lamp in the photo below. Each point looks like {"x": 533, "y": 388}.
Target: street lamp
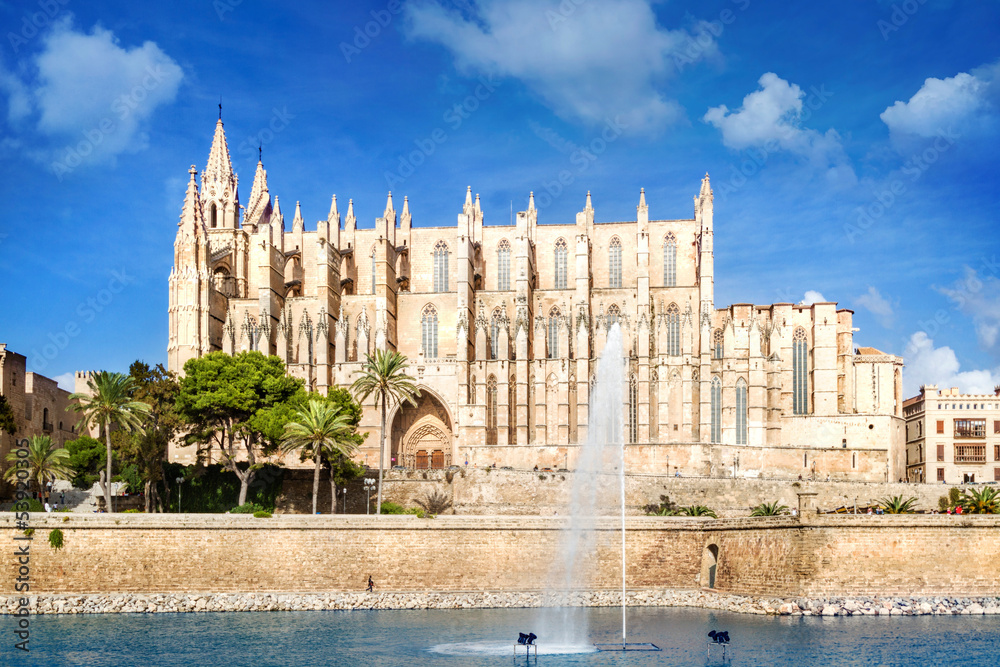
{"x": 344, "y": 491}
{"x": 369, "y": 485}
{"x": 180, "y": 496}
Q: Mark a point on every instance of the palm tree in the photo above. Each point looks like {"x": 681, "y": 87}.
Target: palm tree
{"x": 318, "y": 430}
{"x": 770, "y": 509}
{"x": 45, "y": 462}
{"x": 109, "y": 403}
{"x": 697, "y": 510}
{"x": 981, "y": 501}
{"x": 384, "y": 375}
{"x": 897, "y": 504}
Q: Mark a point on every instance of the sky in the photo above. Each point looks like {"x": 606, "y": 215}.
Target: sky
{"x": 852, "y": 151}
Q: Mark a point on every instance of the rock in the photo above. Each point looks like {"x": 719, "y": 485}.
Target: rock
{"x": 830, "y": 610}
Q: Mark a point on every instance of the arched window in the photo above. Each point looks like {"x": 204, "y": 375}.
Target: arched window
{"x": 716, "y": 411}
{"x": 491, "y": 410}
{"x": 429, "y": 332}
{"x": 554, "y": 333}
{"x": 613, "y": 315}
{"x": 561, "y": 258}
{"x": 717, "y": 346}
{"x": 45, "y": 418}
{"x": 741, "y": 412}
{"x": 441, "y": 267}
{"x": 503, "y": 265}
{"x": 670, "y": 261}
{"x": 615, "y": 263}
{"x": 373, "y": 269}
{"x": 633, "y": 408}
{"x": 213, "y": 216}
{"x": 673, "y": 330}
{"x": 495, "y": 334}
{"x": 800, "y": 373}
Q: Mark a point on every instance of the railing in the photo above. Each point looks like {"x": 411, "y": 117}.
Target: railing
{"x": 970, "y": 453}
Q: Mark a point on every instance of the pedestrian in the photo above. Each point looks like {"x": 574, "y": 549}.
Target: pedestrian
{"x": 371, "y": 584}
{"x": 62, "y": 497}
{"x": 48, "y": 508}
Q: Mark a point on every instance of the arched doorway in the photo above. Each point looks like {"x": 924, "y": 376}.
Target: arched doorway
{"x": 422, "y": 434}
{"x": 710, "y": 565}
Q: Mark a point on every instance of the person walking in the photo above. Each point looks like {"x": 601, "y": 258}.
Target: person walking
{"x": 371, "y": 584}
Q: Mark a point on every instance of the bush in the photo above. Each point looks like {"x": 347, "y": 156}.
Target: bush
{"x": 248, "y": 508}
{"x": 665, "y": 508}
{"x": 33, "y": 506}
{"x": 261, "y": 514}
{"x": 770, "y": 509}
{"x": 56, "y": 539}
{"x": 435, "y": 502}
{"x": 395, "y": 508}
{"x": 133, "y": 511}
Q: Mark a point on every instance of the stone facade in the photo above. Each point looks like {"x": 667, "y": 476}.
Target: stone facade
{"x": 952, "y": 438}
{"x": 39, "y": 405}
{"x": 503, "y": 324}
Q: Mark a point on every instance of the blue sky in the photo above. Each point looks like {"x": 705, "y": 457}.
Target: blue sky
{"x": 852, "y": 152}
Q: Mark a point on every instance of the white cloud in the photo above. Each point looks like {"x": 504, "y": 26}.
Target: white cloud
{"x": 926, "y": 364}
{"x": 979, "y": 297}
{"x": 66, "y": 381}
{"x": 589, "y": 62}
{"x": 88, "y": 90}
{"x": 878, "y": 306}
{"x": 771, "y": 119}
{"x": 961, "y": 100}
{"x": 811, "y": 297}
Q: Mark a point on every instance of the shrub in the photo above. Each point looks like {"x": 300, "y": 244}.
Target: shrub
{"x": 261, "y": 514}
{"x": 132, "y": 511}
{"x": 665, "y": 508}
{"x": 248, "y": 508}
{"x": 389, "y": 507}
{"x": 897, "y": 504}
{"x": 698, "y": 510}
{"x": 28, "y": 532}
{"x": 435, "y": 502}
{"x": 33, "y": 506}
{"x": 56, "y": 539}
{"x": 770, "y": 509}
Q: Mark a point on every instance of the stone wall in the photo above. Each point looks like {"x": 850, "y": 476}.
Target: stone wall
{"x": 811, "y": 555}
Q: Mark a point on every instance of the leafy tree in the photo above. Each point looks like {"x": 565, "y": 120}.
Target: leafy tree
{"x": 769, "y": 509}
{"x": 384, "y": 375}
{"x": 897, "y": 504}
{"x": 981, "y": 501}
{"x": 320, "y": 427}
{"x": 45, "y": 462}
{"x": 7, "y": 423}
{"x": 697, "y": 510}
{"x": 952, "y": 500}
{"x": 108, "y": 403}
{"x": 237, "y": 403}
{"x": 87, "y": 456}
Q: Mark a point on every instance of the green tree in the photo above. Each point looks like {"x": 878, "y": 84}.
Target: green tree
{"x": 981, "y": 501}
{"x": 770, "y": 509}
{"x": 109, "y": 403}
{"x": 897, "y": 504}
{"x": 384, "y": 375}
{"x": 239, "y": 403}
{"x": 341, "y": 468}
{"x": 45, "y": 462}
{"x": 87, "y": 456}
{"x": 7, "y": 423}
{"x": 318, "y": 427}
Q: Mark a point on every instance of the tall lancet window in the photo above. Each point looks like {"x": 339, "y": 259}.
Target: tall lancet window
{"x": 495, "y": 334}
{"x": 717, "y": 346}
{"x": 491, "y": 410}
{"x": 213, "y": 215}
{"x": 633, "y": 408}
{"x": 673, "y": 330}
{"x": 561, "y": 259}
{"x": 716, "y": 411}
{"x": 373, "y": 269}
{"x": 800, "y": 373}
{"x": 429, "y": 332}
{"x": 615, "y": 263}
{"x": 441, "y": 267}
{"x": 554, "y": 333}
{"x": 741, "y": 412}
{"x": 670, "y": 261}
{"x": 503, "y": 265}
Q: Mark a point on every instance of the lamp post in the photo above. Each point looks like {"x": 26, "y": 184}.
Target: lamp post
{"x": 369, "y": 485}
{"x": 344, "y": 491}
{"x": 180, "y": 496}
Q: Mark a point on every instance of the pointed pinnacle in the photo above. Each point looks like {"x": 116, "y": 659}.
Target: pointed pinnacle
{"x": 333, "y": 209}
{"x": 642, "y": 196}
{"x": 590, "y": 205}
{"x": 531, "y": 200}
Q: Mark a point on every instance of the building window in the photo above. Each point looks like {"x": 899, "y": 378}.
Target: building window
{"x": 511, "y": 409}
{"x": 800, "y": 373}
{"x": 495, "y": 334}
{"x": 996, "y": 427}
{"x": 561, "y": 259}
{"x": 970, "y": 428}
{"x": 615, "y": 263}
{"x": 554, "y": 333}
{"x": 940, "y": 474}
{"x": 716, "y": 411}
{"x": 441, "y": 267}
{"x": 633, "y": 408}
{"x": 940, "y": 426}
{"x": 996, "y": 474}
{"x": 673, "y": 330}
{"x": 970, "y": 453}
{"x": 503, "y": 265}
{"x": 996, "y": 452}
{"x": 614, "y": 315}
{"x": 854, "y": 459}
{"x": 670, "y": 261}
{"x": 717, "y": 344}
{"x": 491, "y": 410}
{"x": 214, "y": 215}
{"x": 940, "y": 452}
{"x": 429, "y": 332}
{"x": 373, "y": 269}
{"x": 741, "y": 412}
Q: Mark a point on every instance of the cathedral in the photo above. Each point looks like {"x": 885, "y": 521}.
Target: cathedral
{"x": 503, "y": 324}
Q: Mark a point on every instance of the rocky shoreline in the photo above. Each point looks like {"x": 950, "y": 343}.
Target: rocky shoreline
{"x": 230, "y": 602}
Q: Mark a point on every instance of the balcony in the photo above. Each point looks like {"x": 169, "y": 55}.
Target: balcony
{"x": 970, "y": 428}
{"x": 970, "y": 453}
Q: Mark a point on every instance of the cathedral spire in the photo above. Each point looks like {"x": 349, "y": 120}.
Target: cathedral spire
{"x": 406, "y": 206}
{"x": 258, "y": 207}
{"x": 191, "y": 224}
{"x": 706, "y": 187}
{"x": 218, "y": 174}
{"x": 468, "y": 196}
{"x": 477, "y": 207}
{"x": 390, "y": 212}
{"x": 298, "y": 224}
{"x": 334, "y": 213}
{"x": 351, "y": 221}
{"x": 590, "y": 205}
{"x": 531, "y": 201}
{"x": 276, "y": 215}
{"x": 642, "y": 197}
